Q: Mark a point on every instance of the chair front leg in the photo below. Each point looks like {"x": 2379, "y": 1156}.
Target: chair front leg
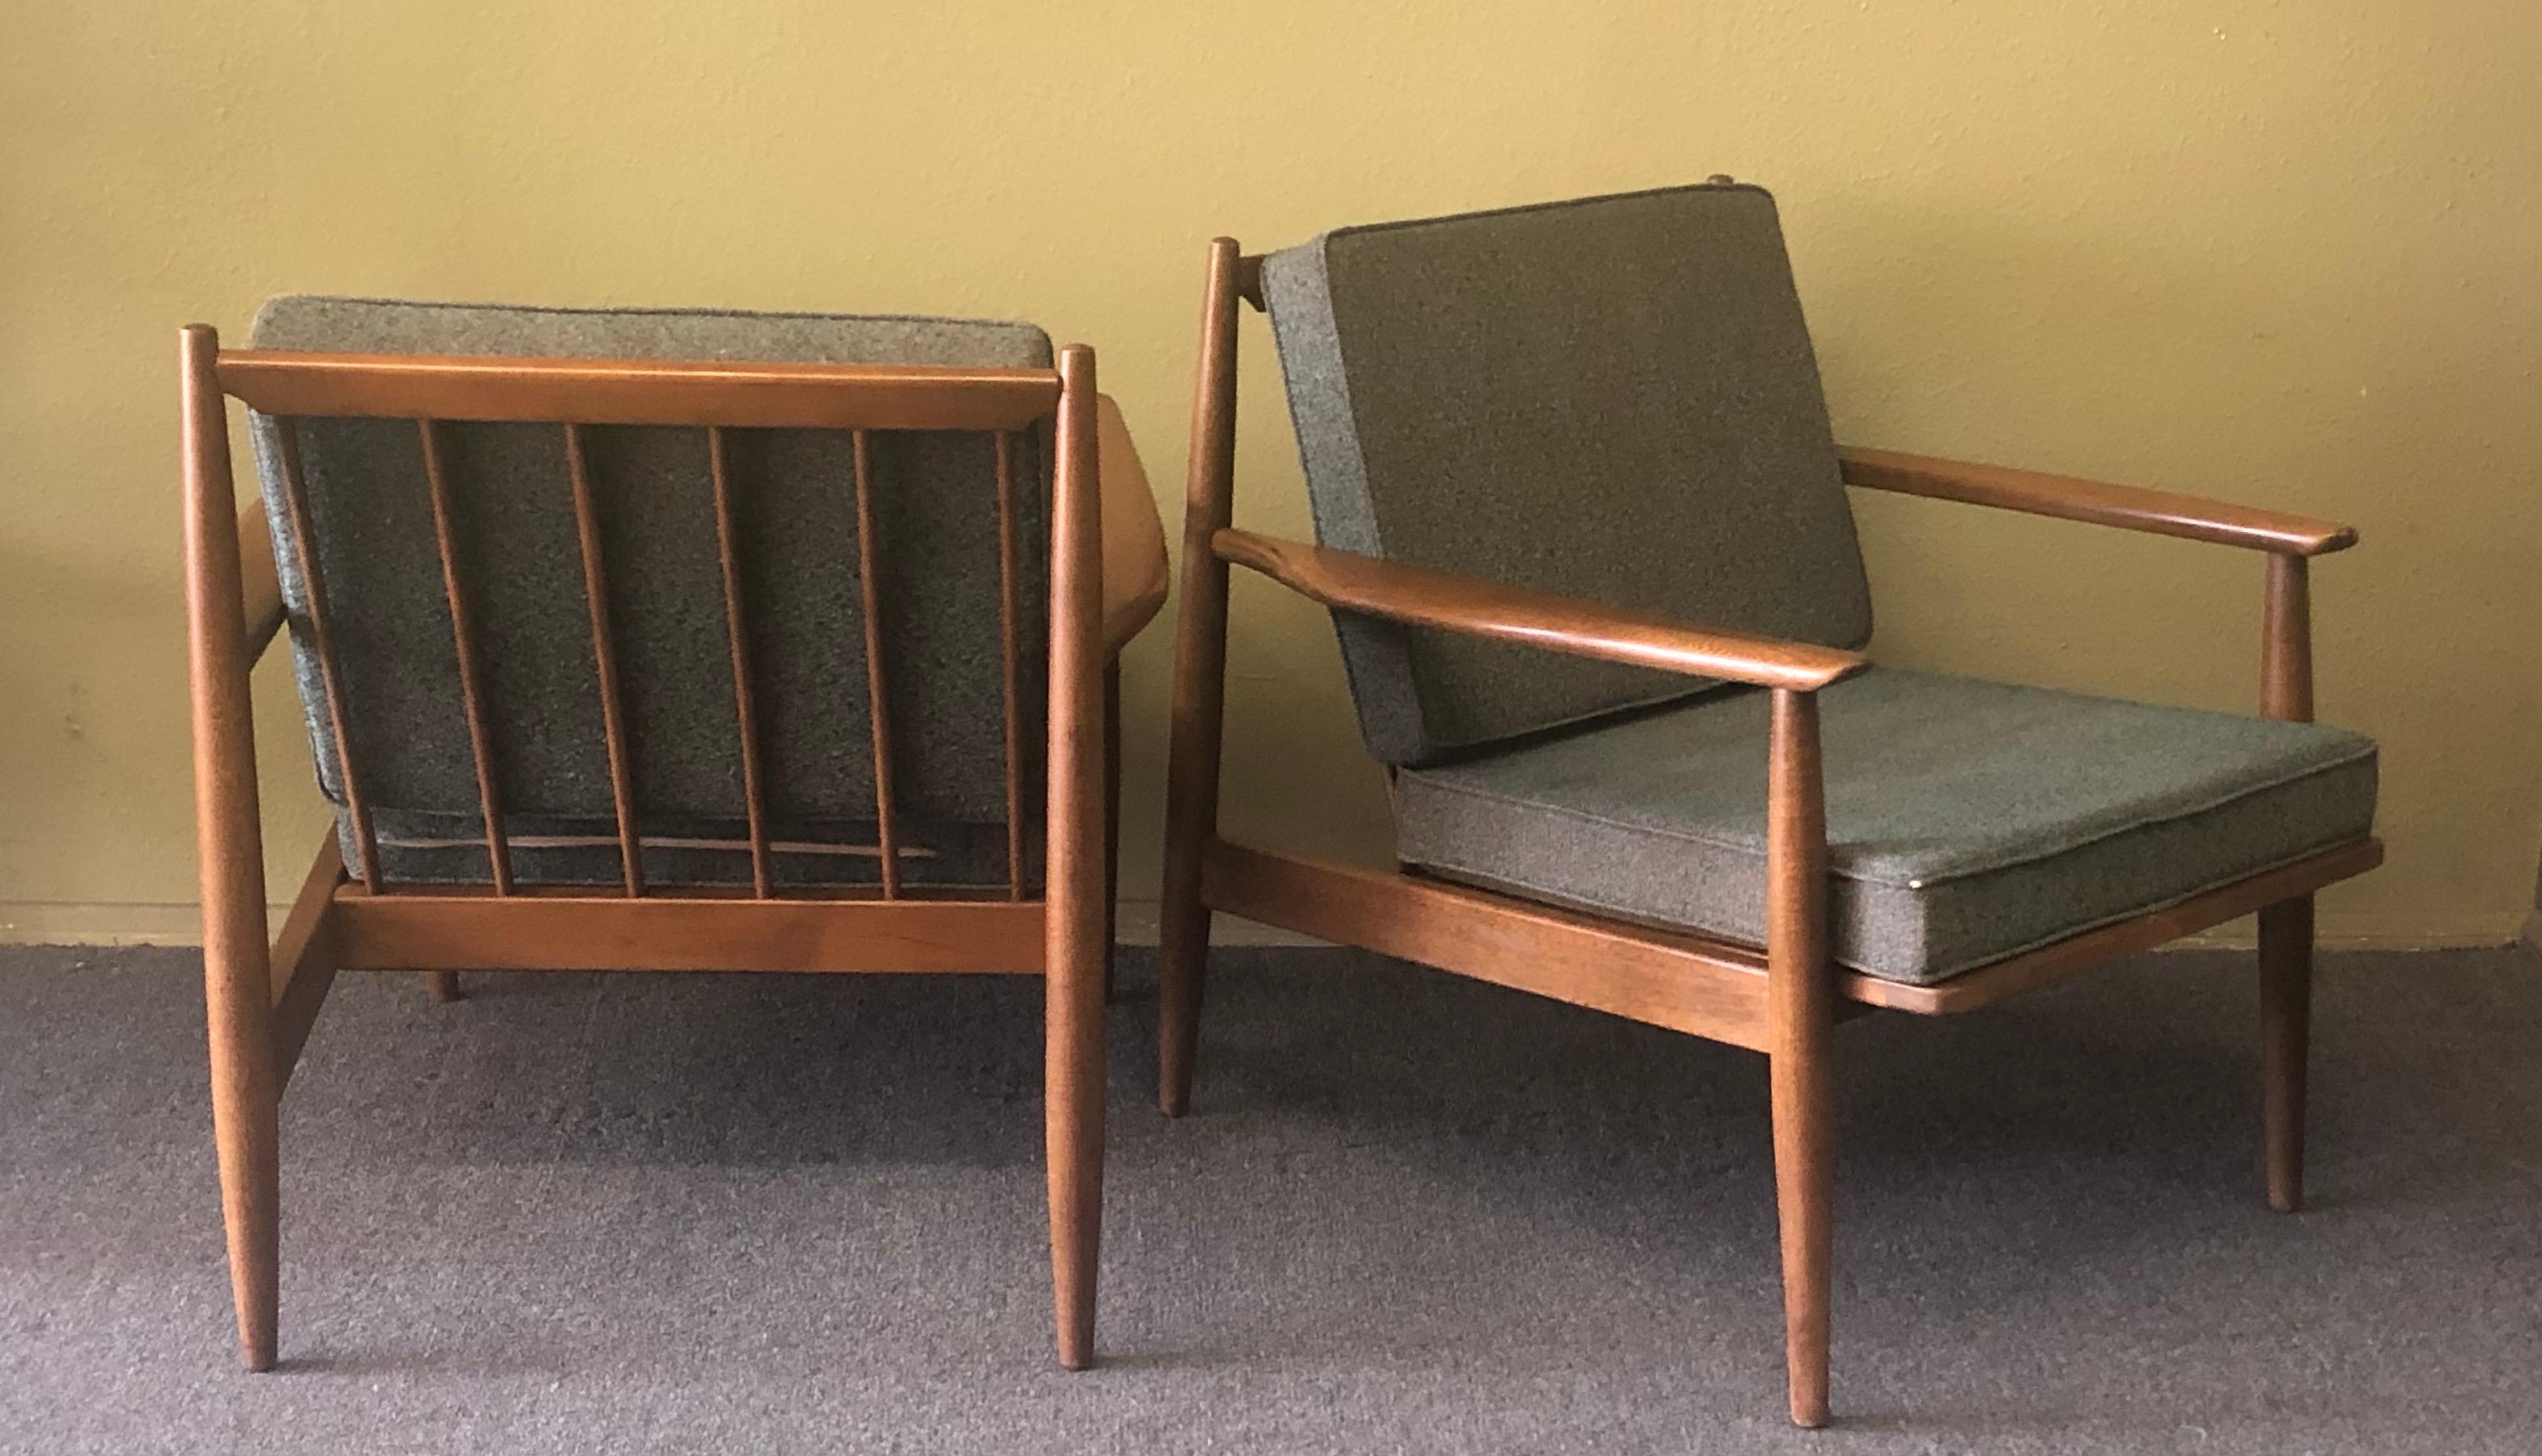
{"x": 2285, "y": 1034}
{"x": 2286, "y": 928}
{"x": 1802, "y": 990}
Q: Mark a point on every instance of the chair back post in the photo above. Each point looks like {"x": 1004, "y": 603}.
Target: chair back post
{"x": 1073, "y": 920}
{"x": 1200, "y": 678}
{"x": 238, "y": 986}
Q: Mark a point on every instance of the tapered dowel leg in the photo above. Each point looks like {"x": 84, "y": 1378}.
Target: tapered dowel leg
{"x": 1076, "y": 1152}
{"x": 1075, "y": 949}
{"x": 238, "y": 988}
{"x": 1801, "y": 990}
{"x": 1199, "y": 691}
{"x": 243, "y": 1131}
{"x": 2285, "y": 1026}
{"x": 1804, "y": 1185}
{"x": 444, "y": 985}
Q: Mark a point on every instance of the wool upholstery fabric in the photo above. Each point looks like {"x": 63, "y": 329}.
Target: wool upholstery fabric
{"x": 1614, "y": 398}
{"x": 520, "y": 566}
{"x": 1967, "y": 820}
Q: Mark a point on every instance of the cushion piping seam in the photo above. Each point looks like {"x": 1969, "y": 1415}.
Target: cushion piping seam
{"x": 1431, "y": 782}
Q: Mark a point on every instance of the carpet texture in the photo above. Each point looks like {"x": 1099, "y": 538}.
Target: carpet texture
{"x": 1410, "y": 1213}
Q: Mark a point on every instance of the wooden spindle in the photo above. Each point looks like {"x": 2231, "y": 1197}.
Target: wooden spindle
{"x": 330, "y": 675}
{"x": 1011, "y": 663}
{"x": 604, "y": 657}
{"x": 462, "y": 640}
{"x": 737, "y": 635}
{"x": 877, "y": 698}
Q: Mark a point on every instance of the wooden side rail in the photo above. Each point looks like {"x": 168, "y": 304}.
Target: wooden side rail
{"x": 2156, "y": 512}
{"x": 1469, "y": 605}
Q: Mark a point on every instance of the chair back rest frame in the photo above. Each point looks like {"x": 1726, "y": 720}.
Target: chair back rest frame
{"x": 574, "y": 393}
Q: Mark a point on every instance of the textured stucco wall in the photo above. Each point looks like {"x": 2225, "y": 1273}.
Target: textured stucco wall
{"x": 2278, "y": 252}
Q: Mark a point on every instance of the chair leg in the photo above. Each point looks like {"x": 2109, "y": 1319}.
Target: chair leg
{"x": 444, "y": 985}
{"x": 1182, "y": 959}
{"x": 246, "y": 1102}
{"x": 1801, "y": 990}
{"x": 1075, "y": 950}
{"x": 1111, "y": 823}
{"x": 2286, "y": 1026}
{"x": 1804, "y": 1187}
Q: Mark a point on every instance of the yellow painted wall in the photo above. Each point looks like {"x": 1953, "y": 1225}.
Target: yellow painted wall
{"x": 2280, "y": 252}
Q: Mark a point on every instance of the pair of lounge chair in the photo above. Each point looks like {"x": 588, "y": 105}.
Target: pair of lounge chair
{"x": 679, "y": 641}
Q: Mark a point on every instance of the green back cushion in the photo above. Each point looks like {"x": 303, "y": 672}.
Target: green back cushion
{"x": 520, "y": 566}
{"x": 1612, "y": 399}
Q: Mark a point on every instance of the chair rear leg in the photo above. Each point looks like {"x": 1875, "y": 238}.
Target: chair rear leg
{"x": 1075, "y": 949}
{"x": 2285, "y": 1026}
{"x": 444, "y": 985}
{"x": 246, "y": 1102}
{"x": 1111, "y": 824}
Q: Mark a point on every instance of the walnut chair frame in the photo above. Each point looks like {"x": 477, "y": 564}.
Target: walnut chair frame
{"x": 1782, "y": 999}
{"x": 264, "y": 997}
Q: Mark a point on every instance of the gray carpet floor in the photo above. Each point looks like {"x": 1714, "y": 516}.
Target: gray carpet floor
{"x": 1410, "y": 1214}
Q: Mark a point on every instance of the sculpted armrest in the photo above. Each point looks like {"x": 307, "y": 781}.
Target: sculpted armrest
{"x": 1504, "y": 614}
{"x": 2157, "y": 512}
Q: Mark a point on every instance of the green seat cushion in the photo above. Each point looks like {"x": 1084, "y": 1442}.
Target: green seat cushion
{"x": 1967, "y": 820}
{"x": 520, "y": 564}
{"x": 1614, "y": 398}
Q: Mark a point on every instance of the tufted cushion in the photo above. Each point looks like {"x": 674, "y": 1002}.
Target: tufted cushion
{"x": 521, "y": 566}
{"x": 1967, "y": 820}
{"x": 1614, "y": 398}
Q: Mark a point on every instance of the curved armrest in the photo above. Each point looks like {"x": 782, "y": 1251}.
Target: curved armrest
{"x": 2157, "y": 512}
{"x": 1134, "y": 540}
{"x": 1504, "y": 614}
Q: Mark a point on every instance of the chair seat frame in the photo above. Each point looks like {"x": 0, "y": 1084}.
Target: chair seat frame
{"x": 1782, "y": 998}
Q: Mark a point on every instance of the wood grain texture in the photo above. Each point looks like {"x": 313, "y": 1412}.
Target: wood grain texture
{"x": 1801, "y": 996}
{"x": 306, "y": 957}
{"x": 462, "y": 640}
{"x": 603, "y": 658}
{"x": 2128, "y": 507}
{"x": 878, "y": 679}
{"x": 745, "y": 698}
{"x": 2286, "y": 1038}
{"x": 1504, "y": 614}
{"x": 641, "y": 392}
{"x": 1198, "y": 695}
{"x": 430, "y": 927}
{"x": 321, "y": 642}
{"x": 238, "y": 988}
{"x": 1134, "y": 540}
{"x": 2286, "y": 926}
{"x": 1073, "y": 1027}
{"x": 1011, "y": 671}
{"x": 1688, "y": 984}
{"x": 2286, "y": 643}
